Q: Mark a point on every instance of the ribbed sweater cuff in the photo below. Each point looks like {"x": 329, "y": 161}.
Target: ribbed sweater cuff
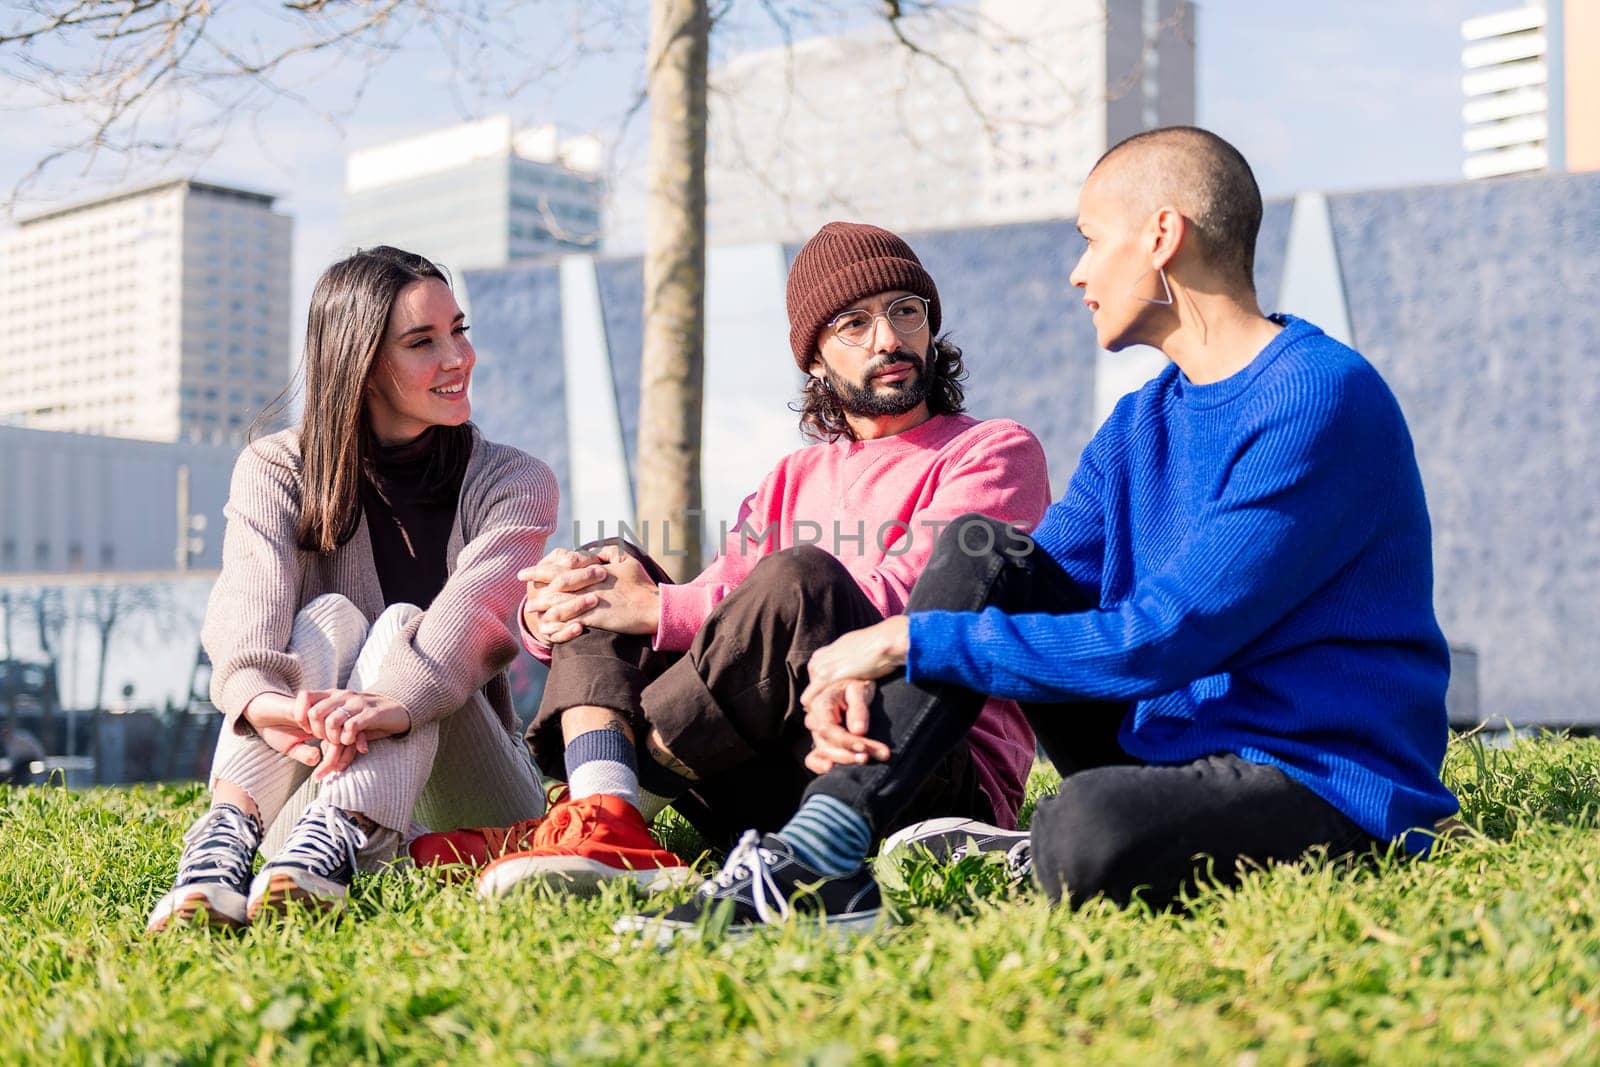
{"x": 683, "y": 609}
{"x": 536, "y": 648}
{"x": 422, "y": 701}
{"x": 938, "y": 643}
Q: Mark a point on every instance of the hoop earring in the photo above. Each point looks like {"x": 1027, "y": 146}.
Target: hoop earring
{"x": 1160, "y": 272}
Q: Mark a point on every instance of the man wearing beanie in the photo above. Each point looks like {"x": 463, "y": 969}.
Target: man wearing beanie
{"x": 690, "y": 694}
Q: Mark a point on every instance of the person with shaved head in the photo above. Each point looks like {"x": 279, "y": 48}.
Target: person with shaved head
{"x": 1223, "y": 634}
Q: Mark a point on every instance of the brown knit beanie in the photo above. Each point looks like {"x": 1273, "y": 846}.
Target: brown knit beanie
{"x": 841, "y": 264}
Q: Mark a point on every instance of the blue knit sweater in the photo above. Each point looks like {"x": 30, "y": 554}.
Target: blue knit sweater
{"x": 1262, "y": 552}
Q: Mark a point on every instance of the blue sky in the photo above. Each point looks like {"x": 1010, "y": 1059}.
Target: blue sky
{"x": 1356, "y": 94}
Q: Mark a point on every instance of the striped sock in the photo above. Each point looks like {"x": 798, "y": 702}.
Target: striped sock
{"x": 602, "y": 761}
{"x": 828, "y": 835}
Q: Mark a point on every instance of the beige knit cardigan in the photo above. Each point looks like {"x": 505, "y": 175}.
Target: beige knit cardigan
{"x": 463, "y": 642}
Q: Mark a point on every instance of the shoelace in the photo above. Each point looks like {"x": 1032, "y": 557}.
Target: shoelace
{"x": 500, "y": 840}
{"x": 749, "y": 860}
{"x": 322, "y": 841}
{"x": 566, "y": 823}
{"x": 1019, "y": 858}
{"x": 220, "y": 847}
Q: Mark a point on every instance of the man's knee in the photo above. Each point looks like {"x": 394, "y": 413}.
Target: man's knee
{"x": 968, "y": 555}
{"x": 976, "y": 537}
{"x": 793, "y": 591}
{"x": 795, "y": 574}
{"x": 651, "y": 567}
{"x": 803, "y": 565}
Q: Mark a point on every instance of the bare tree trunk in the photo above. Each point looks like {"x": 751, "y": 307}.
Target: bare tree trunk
{"x": 674, "y": 285}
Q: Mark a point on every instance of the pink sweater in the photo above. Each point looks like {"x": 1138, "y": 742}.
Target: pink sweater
{"x": 879, "y": 506}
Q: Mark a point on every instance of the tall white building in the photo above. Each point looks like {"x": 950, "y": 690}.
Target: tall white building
{"x": 160, "y": 314}
{"x": 1532, "y": 89}
{"x": 997, "y": 120}
{"x": 482, "y": 194}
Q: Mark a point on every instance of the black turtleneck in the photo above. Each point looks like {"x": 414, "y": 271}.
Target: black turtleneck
{"x": 409, "y": 525}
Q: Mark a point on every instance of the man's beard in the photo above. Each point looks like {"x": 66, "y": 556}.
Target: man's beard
{"x": 894, "y": 398}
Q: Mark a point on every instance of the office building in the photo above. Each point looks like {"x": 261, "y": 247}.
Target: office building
{"x": 995, "y": 117}
{"x": 483, "y": 194}
{"x": 1532, "y": 89}
{"x": 160, "y": 314}
{"x": 86, "y": 503}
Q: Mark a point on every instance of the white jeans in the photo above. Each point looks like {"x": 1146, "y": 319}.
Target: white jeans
{"x": 462, "y": 770}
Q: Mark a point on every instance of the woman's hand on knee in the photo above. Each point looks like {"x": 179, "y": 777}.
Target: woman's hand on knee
{"x": 293, "y": 742}
{"x": 872, "y": 652}
{"x": 348, "y": 717}
{"x": 274, "y": 709}
{"x": 336, "y": 758}
{"x": 837, "y": 716}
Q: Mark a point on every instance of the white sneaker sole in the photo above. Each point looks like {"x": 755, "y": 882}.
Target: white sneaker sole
{"x": 275, "y": 889}
{"x": 214, "y": 905}
{"x": 577, "y": 875}
{"x": 661, "y": 932}
{"x": 950, "y": 830}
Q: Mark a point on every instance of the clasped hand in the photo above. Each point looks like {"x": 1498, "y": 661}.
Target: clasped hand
{"x": 326, "y": 728}
{"x": 569, "y": 591}
{"x": 838, "y": 698}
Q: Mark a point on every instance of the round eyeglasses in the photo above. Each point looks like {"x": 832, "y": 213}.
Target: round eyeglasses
{"x": 906, "y": 315}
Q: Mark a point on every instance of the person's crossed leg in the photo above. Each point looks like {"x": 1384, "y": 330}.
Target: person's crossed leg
{"x": 717, "y": 731}
{"x": 1116, "y": 827}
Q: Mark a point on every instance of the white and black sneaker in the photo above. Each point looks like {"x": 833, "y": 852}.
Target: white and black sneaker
{"x": 951, "y": 839}
{"x": 316, "y": 866}
{"x": 763, "y": 883}
{"x": 213, "y": 872}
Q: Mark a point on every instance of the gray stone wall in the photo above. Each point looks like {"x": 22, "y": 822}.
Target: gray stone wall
{"x": 1480, "y": 303}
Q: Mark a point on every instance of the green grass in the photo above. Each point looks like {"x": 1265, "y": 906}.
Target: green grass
{"x": 1487, "y": 953}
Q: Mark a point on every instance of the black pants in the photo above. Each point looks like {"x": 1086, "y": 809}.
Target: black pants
{"x": 729, "y": 707}
{"x": 1117, "y": 827}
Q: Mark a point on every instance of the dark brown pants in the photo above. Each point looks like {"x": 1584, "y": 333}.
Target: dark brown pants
{"x": 729, "y": 707}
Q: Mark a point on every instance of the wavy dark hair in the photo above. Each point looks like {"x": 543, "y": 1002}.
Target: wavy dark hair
{"x": 822, "y": 419}
{"x": 349, "y": 314}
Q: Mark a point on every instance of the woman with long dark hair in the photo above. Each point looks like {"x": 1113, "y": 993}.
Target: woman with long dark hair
{"x": 366, "y": 610}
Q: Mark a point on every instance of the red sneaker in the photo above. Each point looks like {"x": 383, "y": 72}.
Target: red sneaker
{"x": 459, "y": 853}
{"x": 584, "y": 843}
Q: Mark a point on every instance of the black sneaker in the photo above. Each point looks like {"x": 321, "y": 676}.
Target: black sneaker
{"x": 316, "y": 866}
{"x": 950, "y": 839}
{"x": 763, "y": 884}
{"x": 213, "y": 872}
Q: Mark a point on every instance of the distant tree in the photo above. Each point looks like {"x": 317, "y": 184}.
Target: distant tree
{"x": 50, "y": 617}
{"x": 110, "y": 608}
